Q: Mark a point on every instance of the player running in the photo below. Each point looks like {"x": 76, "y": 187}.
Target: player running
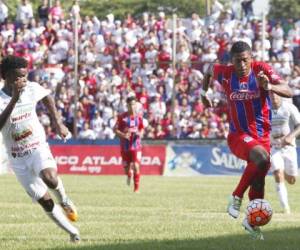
{"x": 25, "y": 141}
{"x": 285, "y": 129}
{"x": 247, "y": 85}
{"x": 129, "y": 128}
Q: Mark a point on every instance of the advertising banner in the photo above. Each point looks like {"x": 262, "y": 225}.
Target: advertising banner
{"x": 105, "y": 159}
{"x": 191, "y": 160}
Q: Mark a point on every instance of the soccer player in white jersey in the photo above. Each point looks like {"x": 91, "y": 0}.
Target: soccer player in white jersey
{"x": 25, "y": 141}
{"x": 285, "y": 128}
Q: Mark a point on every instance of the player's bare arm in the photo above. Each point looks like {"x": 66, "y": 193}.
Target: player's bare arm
{"x": 18, "y": 87}
{"x": 61, "y": 129}
{"x": 139, "y": 133}
{"x": 206, "y": 81}
{"x": 119, "y": 133}
{"x": 282, "y": 88}
{"x": 288, "y": 139}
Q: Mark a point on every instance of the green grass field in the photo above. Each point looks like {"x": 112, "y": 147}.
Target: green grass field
{"x": 169, "y": 213}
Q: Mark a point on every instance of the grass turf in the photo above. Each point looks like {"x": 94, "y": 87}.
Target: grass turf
{"x": 170, "y": 213}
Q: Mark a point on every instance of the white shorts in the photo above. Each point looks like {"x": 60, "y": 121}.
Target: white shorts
{"x": 28, "y": 168}
{"x": 284, "y": 159}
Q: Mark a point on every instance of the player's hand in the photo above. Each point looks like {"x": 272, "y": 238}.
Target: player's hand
{"x": 137, "y": 133}
{"x": 206, "y": 101}
{"x": 127, "y": 135}
{"x": 18, "y": 87}
{"x": 263, "y": 81}
{"x": 287, "y": 140}
{"x": 62, "y": 131}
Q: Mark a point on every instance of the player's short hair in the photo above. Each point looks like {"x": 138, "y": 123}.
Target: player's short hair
{"x": 130, "y": 99}
{"x": 12, "y": 62}
{"x": 239, "y": 47}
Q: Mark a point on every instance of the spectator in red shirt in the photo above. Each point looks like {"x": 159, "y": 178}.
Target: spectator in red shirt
{"x": 50, "y": 34}
{"x": 28, "y": 56}
{"x": 164, "y": 57}
{"x": 91, "y": 82}
{"x": 143, "y": 98}
{"x": 159, "y": 132}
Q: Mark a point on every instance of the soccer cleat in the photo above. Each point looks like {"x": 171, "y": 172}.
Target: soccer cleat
{"x": 254, "y": 231}
{"x": 234, "y": 206}
{"x": 287, "y": 210}
{"x": 75, "y": 238}
{"x": 69, "y": 209}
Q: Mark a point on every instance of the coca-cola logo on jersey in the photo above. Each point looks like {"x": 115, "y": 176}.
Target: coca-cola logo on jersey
{"x": 240, "y": 96}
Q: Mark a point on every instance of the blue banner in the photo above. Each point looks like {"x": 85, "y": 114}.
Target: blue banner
{"x": 189, "y": 160}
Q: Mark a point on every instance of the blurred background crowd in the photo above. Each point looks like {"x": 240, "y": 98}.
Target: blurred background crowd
{"x": 118, "y": 58}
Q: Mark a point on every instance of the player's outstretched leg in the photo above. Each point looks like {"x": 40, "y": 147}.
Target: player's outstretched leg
{"x": 55, "y": 213}
{"x": 49, "y": 176}
{"x": 128, "y": 171}
{"x": 283, "y": 196}
{"x": 254, "y": 231}
{"x": 281, "y": 189}
{"x": 278, "y": 165}
{"x": 253, "y": 176}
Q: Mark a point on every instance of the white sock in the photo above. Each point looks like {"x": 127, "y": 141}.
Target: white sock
{"x": 61, "y": 220}
{"x": 282, "y": 194}
{"x": 59, "y": 191}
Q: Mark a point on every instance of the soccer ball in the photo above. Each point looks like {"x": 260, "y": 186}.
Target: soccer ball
{"x": 259, "y": 212}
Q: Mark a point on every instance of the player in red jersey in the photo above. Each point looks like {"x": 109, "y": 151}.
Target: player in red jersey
{"x": 246, "y": 85}
{"x": 129, "y": 128}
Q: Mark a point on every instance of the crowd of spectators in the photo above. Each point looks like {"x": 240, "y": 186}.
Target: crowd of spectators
{"x": 134, "y": 55}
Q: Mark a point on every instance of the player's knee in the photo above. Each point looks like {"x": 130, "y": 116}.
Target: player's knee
{"x": 260, "y": 157}
{"x": 291, "y": 180}
{"x": 258, "y": 185}
{"x": 50, "y": 178}
{"x": 263, "y": 161}
{"x": 136, "y": 167}
{"x": 47, "y": 204}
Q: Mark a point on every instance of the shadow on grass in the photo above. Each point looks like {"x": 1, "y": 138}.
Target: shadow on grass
{"x": 281, "y": 239}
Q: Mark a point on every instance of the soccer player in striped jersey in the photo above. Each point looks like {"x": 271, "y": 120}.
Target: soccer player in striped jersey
{"x": 129, "y": 128}
{"x": 285, "y": 129}
{"x": 247, "y": 84}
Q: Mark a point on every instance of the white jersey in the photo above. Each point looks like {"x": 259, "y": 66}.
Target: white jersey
{"x": 284, "y": 121}
{"x": 22, "y": 131}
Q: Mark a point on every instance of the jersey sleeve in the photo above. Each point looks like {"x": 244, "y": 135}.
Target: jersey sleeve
{"x": 2, "y": 106}
{"x": 295, "y": 115}
{"x": 39, "y": 92}
{"x": 219, "y": 71}
{"x": 119, "y": 124}
{"x": 273, "y": 76}
{"x": 4, "y": 101}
